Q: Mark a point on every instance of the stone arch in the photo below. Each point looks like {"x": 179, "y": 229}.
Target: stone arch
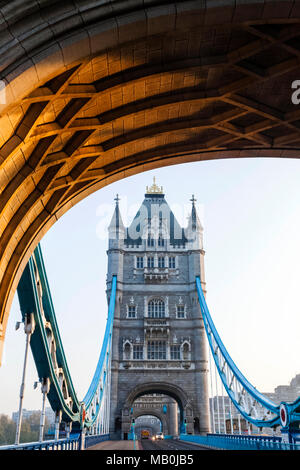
{"x": 151, "y": 412}
{"x": 165, "y": 388}
{"x": 50, "y": 151}
{"x": 172, "y": 390}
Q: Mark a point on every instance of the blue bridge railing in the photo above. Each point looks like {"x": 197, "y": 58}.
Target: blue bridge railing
{"x": 239, "y": 442}
{"x": 92, "y": 440}
{"x": 71, "y": 443}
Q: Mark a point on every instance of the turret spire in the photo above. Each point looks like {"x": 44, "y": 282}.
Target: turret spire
{"x": 116, "y": 224}
{"x": 194, "y": 216}
{"x": 194, "y": 230}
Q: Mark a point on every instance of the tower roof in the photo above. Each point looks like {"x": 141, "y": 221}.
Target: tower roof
{"x": 155, "y": 218}
{"x": 116, "y": 222}
{"x": 194, "y": 223}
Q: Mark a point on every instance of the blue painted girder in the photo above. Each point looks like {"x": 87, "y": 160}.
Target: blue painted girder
{"x": 212, "y": 334}
{"x": 32, "y": 283}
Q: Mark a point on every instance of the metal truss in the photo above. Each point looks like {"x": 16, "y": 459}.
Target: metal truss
{"x": 226, "y": 91}
{"x": 254, "y": 406}
{"x": 35, "y": 300}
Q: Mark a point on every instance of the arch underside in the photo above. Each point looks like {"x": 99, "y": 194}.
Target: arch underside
{"x": 98, "y": 93}
{"x": 156, "y": 413}
{"x": 163, "y": 388}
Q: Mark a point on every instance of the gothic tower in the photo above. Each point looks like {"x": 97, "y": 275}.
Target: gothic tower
{"x": 159, "y": 343}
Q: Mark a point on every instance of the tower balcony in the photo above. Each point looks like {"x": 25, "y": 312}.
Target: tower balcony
{"x": 157, "y": 327}
{"x": 160, "y": 322}
{"x": 156, "y": 364}
{"x": 156, "y": 274}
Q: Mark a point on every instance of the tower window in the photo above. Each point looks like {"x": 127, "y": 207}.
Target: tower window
{"x": 175, "y": 351}
{"x": 161, "y": 262}
{"x": 138, "y": 351}
{"x": 156, "y": 309}
{"x": 150, "y": 241}
{"x": 161, "y": 241}
{"x": 150, "y": 262}
{"x": 157, "y": 350}
{"x": 131, "y": 311}
{"x": 180, "y": 311}
{"x": 172, "y": 262}
{"x": 139, "y": 262}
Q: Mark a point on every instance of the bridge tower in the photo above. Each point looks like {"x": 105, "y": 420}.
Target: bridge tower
{"x": 159, "y": 343}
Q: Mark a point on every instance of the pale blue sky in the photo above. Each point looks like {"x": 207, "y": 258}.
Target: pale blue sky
{"x": 250, "y": 210}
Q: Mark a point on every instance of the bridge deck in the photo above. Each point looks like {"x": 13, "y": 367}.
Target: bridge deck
{"x": 115, "y": 445}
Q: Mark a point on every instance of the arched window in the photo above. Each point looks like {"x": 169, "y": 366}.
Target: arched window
{"x": 127, "y": 351}
{"x": 186, "y": 351}
{"x": 156, "y": 308}
{"x": 161, "y": 241}
{"x": 150, "y": 241}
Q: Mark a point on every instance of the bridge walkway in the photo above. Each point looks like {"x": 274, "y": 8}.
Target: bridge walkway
{"x": 116, "y": 445}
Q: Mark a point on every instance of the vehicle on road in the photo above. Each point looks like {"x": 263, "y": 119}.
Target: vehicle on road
{"x": 145, "y": 434}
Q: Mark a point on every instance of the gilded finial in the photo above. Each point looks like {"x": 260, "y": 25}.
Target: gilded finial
{"x": 154, "y": 189}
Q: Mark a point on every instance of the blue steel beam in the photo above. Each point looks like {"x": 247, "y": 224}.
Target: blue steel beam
{"x": 47, "y": 349}
{"x": 253, "y": 405}
{"x": 103, "y": 366}
{"x": 32, "y": 300}
{"x": 234, "y": 381}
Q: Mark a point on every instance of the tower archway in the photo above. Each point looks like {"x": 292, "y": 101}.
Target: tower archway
{"x": 166, "y": 401}
{"x": 153, "y": 422}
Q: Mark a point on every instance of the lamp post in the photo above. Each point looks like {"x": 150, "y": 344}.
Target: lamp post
{"x": 45, "y": 386}
{"x": 29, "y": 325}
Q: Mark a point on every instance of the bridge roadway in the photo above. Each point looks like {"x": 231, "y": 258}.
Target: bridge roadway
{"x": 116, "y": 445}
{"x": 169, "y": 444}
{"x": 147, "y": 444}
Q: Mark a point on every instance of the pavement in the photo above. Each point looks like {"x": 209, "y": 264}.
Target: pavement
{"x": 116, "y": 445}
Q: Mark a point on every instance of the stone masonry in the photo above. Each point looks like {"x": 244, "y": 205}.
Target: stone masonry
{"x": 159, "y": 343}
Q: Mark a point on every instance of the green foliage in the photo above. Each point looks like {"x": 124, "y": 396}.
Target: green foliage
{"x": 29, "y": 429}
{"x": 7, "y": 430}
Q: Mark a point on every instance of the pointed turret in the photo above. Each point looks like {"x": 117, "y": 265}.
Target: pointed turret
{"x": 195, "y": 221}
{"x": 116, "y": 232}
{"x": 116, "y": 227}
{"x": 194, "y": 230}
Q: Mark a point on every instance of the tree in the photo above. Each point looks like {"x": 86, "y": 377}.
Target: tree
{"x": 29, "y": 429}
{"x": 7, "y": 430}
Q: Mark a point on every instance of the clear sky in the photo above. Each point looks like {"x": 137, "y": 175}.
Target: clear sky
{"x": 250, "y": 210}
